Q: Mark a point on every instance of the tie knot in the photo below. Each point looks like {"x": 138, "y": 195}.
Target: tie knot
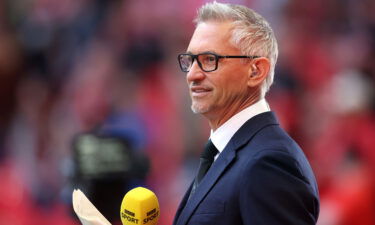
{"x": 209, "y": 151}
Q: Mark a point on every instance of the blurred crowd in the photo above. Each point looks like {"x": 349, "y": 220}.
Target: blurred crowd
{"x": 74, "y": 66}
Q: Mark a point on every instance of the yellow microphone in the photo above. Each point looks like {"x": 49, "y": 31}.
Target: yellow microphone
{"x": 140, "y": 206}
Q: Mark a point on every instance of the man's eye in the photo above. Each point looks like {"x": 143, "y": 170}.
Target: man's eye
{"x": 209, "y": 58}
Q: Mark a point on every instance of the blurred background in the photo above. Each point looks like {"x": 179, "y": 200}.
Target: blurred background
{"x": 80, "y": 78}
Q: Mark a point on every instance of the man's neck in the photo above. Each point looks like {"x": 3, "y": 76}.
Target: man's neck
{"x": 218, "y": 120}
{"x": 222, "y": 135}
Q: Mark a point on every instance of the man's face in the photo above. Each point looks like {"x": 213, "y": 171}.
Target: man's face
{"x": 221, "y": 92}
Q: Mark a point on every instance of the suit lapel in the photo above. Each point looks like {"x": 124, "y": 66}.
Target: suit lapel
{"x": 242, "y": 136}
{"x": 183, "y": 203}
{"x": 206, "y": 184}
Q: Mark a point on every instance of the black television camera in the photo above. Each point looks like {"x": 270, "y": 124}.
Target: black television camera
{"x": 105, "y": 168}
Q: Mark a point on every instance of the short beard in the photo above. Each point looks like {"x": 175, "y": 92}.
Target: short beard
{"x": 199, "y": 110}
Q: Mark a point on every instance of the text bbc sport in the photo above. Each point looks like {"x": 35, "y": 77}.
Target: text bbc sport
{"x": 129, "y": 216}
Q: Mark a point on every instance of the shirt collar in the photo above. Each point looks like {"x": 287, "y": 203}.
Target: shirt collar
{"x": 225, "y": 132}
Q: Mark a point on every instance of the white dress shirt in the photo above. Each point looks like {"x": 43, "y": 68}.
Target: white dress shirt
{"x": 221, "y": 137}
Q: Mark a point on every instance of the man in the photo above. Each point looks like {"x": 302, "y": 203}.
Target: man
{"x": 252, "y": 172}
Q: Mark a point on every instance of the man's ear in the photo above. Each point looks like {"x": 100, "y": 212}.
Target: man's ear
{"x": 258, "y": 71}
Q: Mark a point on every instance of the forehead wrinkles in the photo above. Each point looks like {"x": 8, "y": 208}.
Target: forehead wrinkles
{"x": 212, "y": 36}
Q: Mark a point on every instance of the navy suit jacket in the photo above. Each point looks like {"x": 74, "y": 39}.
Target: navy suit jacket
{"x": 261, "y": 177}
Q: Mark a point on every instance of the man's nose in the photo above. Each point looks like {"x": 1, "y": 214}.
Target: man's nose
{"x": 195, "y": 73}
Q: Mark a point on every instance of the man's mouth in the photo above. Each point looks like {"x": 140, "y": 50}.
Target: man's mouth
{"x": 199, "y": 91}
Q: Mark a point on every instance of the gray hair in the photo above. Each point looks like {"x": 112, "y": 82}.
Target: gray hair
{"x": 252, "y": 34}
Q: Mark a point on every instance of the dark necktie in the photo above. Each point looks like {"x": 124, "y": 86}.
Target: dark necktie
{"x": 206, "y": 160}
